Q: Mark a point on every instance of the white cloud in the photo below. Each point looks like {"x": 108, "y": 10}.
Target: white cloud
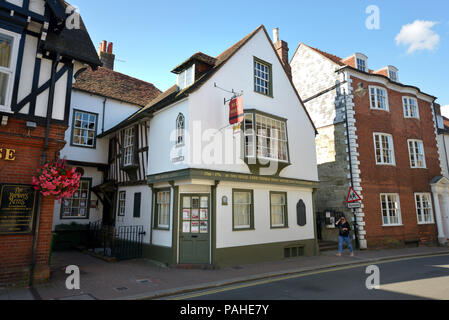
{"x": 418, "y": 36}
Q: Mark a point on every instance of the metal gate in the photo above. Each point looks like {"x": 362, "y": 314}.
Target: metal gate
{"x": 121, "y": 243}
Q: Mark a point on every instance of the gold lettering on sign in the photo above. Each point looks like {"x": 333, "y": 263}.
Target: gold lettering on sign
{"x": 18, "y": 198}
{"x": 7, "y": 154}
{"x": 10, "y": 155}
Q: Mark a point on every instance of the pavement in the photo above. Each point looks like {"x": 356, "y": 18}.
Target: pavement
{"x": 145, "y": 279}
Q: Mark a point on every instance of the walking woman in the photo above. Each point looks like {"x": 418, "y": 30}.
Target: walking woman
{"x": 345, "y": 235}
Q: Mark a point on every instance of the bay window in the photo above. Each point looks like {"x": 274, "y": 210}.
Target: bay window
{"x": 265, "y": 137}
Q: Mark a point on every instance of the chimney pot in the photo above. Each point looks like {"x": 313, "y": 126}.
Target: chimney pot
{"x": 276, "y": 35}
{"x": 110, "y": 46}
{"x": 106, "y": 54}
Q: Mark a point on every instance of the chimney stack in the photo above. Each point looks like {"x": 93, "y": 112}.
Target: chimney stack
{"x": 106, "y": 54}
{"x": 282, "y": 51}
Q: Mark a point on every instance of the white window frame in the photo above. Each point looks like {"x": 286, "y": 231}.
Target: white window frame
{"x": 121, "y": 203}
{"x": 128, "y": 146}
{"x": 398, "y": 210}
{"x": 11, "y": 71}
{"x": 360, "y": 62}
{"x": 382, "y": 162}
{"x": 413, "y": 156}
{"x": 406, "y": 102}
{"x": 166, "y": 215}
{"x": 376, "y": 98}
{"x": 272, "y": 144}
{"x": 262, "y": 77}
{"x": 249, "y": 204}
{"x": 186, "y": 78}
{"x": 420, "y": 207}
{"x": 393, "y": 75}
{"x": 94, "y": 130}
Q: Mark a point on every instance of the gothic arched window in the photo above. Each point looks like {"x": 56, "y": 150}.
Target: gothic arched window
{"x": 180, "y": 129}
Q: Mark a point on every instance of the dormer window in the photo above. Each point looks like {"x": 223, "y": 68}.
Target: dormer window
{"x": 393, "y": 74}
{"x": 361, "y": 62}
{"x": 186, "y": 78}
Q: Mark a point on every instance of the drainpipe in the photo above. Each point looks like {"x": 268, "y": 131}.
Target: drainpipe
{"x": 44, "y": 160}
{"x": 104, "y": 111}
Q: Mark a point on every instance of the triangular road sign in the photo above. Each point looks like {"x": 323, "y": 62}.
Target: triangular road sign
{"x": 353, "y": 196}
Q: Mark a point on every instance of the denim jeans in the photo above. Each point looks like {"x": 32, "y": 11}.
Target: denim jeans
{"x": 341, "y": 241}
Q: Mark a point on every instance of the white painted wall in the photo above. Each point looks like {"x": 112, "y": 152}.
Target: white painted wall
{"x": 145, "y": 209}
{"x": 116, "y": 112}
{"x": 162, "y": 140}
{"x": 263, "y": 233}
{"x": 206, "y": 106}
{"x": 94, "y": 214}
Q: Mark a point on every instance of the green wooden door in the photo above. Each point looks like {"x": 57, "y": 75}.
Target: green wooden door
{"x": 194, "y": 230}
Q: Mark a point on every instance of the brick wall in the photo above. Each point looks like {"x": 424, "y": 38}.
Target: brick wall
{"x": 400, "y": 179}
{"x": 16, "y": 251}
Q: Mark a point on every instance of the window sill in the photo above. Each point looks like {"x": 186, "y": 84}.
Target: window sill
{"x": 263, "y": 94}
{"x": 84, "y": 147}
{"x": 385, "y": 164}
{"x": 243, "y": 229}
{"x": 378, "y": 109}
{"x": 423, "y": 168}
{"x": 74, "y": 218}
{"x": 425, "y": 223}
{"x": 392, "y": 225}
{"x": 279, "y": 228}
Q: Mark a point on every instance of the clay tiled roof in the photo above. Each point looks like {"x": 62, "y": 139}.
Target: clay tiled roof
{"x": 332, "y": 57}
{"x": 115, "y": 85}
{"x": 197, "y": 56}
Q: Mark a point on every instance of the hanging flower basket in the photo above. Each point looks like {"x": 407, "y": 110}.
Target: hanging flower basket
{"x": 56, "y": 179}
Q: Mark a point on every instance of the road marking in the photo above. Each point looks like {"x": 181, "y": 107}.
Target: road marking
{"x": 433, "y": 288}
{"x": 296, "y": 276}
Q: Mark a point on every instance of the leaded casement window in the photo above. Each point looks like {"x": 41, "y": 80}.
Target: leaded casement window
{"x": 378, "y": 98}
{"x": 84, "y": 130}
{"x": 424, "y": 209}
{"x": 265, "y": 137}
{"x": 121, "y": 203}
{"x": 263, "y": 77}
{"x": 8, "y": 58}
{"x": 180, "y": 130}
{"x": 417, "y": 155}
{"x": 243, "y": 209}
{"x": 391, "y": 209}
{"x": 410, "y": 107}
{"x": 361, "y": 64}
{"x": 162, "y": 210}
{"x": 384, "y": 149}
{"x": 129, "y": 145}
{"x": 77, "y": 207}
{"x": 278, "y": 203}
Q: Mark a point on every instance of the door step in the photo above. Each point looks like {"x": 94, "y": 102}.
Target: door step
{"x": 328, "y": 245}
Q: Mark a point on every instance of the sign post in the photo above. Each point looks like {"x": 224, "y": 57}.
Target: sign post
{"x": 353, "y": 202}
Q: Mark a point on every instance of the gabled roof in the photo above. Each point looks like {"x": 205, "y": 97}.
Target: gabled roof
{"x": 70, "y": 43}
{"x": 340, "y": 62}
{"x": 173, "y": 95}
{"x": 115, "y": 85}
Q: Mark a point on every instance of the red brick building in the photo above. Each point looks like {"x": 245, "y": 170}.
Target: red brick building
{"x": 378, "y": 136}
{"x": 40, "y": 55}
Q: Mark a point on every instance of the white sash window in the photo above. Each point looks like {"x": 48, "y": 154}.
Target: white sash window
{"x": 242, "y": 208}
{"x": 424, "y": 208}
{"x": 128, "y": 147}
{"x": 378, "y": 98}
{"x": 417, "y": 156}
{"x": 391, "y": 209}
{"x": 410, "y": 107}
{"x": 163, "y": 209}
{"x": 384, "y": 149}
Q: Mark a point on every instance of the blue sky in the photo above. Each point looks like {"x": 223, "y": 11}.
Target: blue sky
{"x": 152, "y": 37}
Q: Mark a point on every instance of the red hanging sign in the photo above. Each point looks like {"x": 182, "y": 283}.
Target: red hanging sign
{"x": 353, "y": 196}
{"x": 236, "y": 114}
